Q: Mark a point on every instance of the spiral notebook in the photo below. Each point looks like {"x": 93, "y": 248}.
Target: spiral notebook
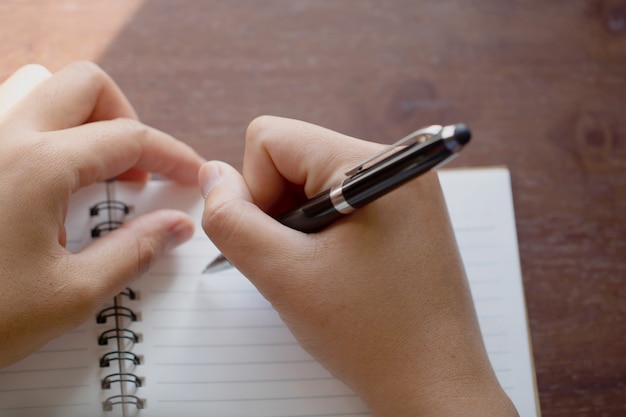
{"x": 177, "y": 342}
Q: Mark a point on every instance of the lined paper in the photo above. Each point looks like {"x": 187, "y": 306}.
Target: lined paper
{"x": 213, "y": 346}
{"x": 63, "y": 377}
{"x": 480, "y": 205}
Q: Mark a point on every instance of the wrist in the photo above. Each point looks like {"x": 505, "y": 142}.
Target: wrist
{"x": 446, "y": 372}
{"x": 456, "y": 396}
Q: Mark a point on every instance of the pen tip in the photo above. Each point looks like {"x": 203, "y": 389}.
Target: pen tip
{"x": 218, "y": 264}
{"x": 462, "y": 133}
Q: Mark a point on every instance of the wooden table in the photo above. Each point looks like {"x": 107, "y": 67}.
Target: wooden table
{"x": 542, "y": 84}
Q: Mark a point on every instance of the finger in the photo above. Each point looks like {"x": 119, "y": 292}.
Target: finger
{"x": 134, "y": 247}
{"x": 102, "y": 150}
{"x": 77, "y": 94}
{"x": 18, "y": 85}
{"x": 280, "y": 152}
{"x": 240, "y": 229}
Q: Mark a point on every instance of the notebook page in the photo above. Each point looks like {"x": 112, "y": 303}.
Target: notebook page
{"x": 215, "y": 347}
{"x": 212, "y": 345}
{"x": 480, "y": 205}
{"x": 217, "y": 344}
{"x": 63, "y": 377}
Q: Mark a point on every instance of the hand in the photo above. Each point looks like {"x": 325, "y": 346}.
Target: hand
{"x": 57, "y": 134}
{"x": 380, "y": 297}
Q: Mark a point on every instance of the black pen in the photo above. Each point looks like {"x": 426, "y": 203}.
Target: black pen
{"x": 410, "y": 157}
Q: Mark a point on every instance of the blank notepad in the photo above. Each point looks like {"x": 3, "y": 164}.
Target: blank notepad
{"x": 182, "y": 343}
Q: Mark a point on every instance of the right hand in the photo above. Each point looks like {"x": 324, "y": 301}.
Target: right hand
{"x": 380, "y": 297}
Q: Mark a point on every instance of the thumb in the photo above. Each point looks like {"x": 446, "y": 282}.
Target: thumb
{"x": 111, "y": 261}
{"x": 239, "y": 228}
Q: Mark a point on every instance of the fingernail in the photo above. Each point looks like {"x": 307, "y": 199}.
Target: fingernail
{"x": 210, "y": 176}
{"x": 179, "y": 234}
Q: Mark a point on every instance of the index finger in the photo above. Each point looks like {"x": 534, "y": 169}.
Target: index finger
{"x": 101, "y": 150}
{"x": 281, "y": 153}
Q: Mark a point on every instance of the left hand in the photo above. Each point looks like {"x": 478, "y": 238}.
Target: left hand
{"x": 59, "y": 133}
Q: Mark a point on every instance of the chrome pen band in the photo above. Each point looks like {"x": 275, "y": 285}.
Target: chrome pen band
{"x": 339, "y": 201}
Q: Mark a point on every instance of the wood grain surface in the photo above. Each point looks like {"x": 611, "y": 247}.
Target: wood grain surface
{"x": 542, "y": 85}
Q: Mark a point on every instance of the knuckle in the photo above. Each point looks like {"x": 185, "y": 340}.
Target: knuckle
{"x": 88, "y": 69}
{"x": 146, "y": 248}
{"x": 147, "y": 252}
{"x": 259, "y": 128}
{"x": 132, "y": 128}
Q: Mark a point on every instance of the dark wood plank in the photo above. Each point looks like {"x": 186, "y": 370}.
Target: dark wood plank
{"x": 542, "y": 84}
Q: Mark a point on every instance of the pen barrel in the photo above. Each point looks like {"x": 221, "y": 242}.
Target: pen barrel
{"x": 364, "y": 187}
{"x": 313, "y": 216}
{"x": 387, "y": 175}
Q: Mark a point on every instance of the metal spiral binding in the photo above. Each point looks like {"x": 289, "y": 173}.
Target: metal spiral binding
{"x": 108, "y": 404}
{"x": 119, "y": 355}
{"x": 118, "y": 334}
{"x": 105, "y": 226}
{"x": 122, "y": 377}
{"x": 110, "y": 224}
{"x": 108, "y": 205}
{"x": 115, "y": 311}
{"x": 118, "y": 314}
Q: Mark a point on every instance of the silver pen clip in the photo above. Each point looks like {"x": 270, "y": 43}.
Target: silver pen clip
{"x": 419, "y": 136}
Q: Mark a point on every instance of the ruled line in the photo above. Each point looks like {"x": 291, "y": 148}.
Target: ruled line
{"x": 232, "y": 345}
{"x": 59, "y": 350}
{"x": 268, "y": 326}
{"x": 312, "y": 397}
{"x": 45, "y": 388}
{"x": 209, "y": 309}
{"x": 247, "y": 381}
{"x": 20, "y": 371}
{"x": 32, "y": 407}
{"x": 235, "y": 363}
